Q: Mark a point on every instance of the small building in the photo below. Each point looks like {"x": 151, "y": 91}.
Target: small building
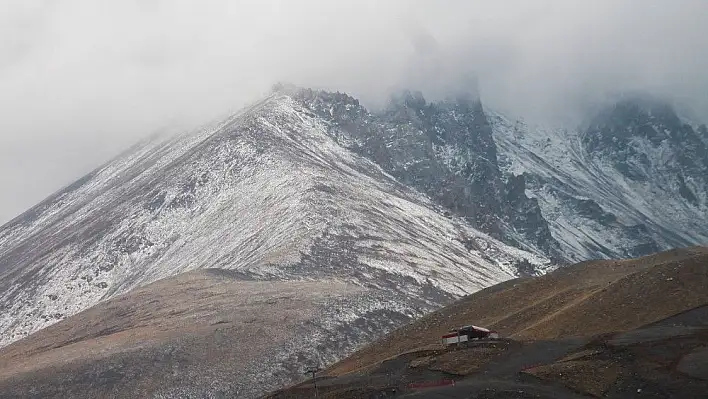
{"x": 468, "y": 333}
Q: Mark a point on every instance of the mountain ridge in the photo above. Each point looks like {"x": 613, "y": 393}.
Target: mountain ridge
{"x": 266, "y": 193}
{"x": 414, "y": 205}
{"x": 550, "y": 191}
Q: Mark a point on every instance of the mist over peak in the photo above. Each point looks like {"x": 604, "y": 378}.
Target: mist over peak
{"x": 83, "y": 80}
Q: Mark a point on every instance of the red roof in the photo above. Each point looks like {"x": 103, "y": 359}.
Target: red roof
{"x": 450, "y": 335}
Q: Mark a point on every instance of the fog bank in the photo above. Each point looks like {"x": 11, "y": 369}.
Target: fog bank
{"x": 81, "y": 80}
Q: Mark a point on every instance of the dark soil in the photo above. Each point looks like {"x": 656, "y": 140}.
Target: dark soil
{"x": 615, "y": 329}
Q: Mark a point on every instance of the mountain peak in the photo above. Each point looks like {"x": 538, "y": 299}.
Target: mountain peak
{"x": 395, "y": 212}
{"x": 407, "y": 98}
{"x": 273, "y": 193}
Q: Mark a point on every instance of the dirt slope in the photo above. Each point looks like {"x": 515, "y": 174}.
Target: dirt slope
{"x": 616, "y": 329}
{"x": 205, "y": 330}
{"x": 662, "y": 360}
{"x": 585, "y": 299}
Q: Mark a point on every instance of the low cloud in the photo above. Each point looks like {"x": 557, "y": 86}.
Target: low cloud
{"x": 81, "y": 80}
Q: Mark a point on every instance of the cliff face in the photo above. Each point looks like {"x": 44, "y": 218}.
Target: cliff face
{"x": 445, "y": 150}
{"x": 629, "y": 183}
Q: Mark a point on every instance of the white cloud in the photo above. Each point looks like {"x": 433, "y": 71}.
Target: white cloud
{"x": 82, "y": 79}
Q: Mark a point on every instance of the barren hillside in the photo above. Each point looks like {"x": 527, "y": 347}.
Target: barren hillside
{"x": 580, "y": 300}
{"x": 200, "y": 330}
{"x": 611, "y": 329}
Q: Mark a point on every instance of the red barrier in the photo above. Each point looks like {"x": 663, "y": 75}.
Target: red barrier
{"x": 431, "y": 384}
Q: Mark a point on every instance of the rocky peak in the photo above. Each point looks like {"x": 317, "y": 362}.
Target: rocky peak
{"x": 511, "y": 182}
{"x": 703, "y": 132}
{"x": 642, "y": 117}
{"x": 643, "y": 136}
{"x": 407, "y": 99}
{"x": 444, "y": 149}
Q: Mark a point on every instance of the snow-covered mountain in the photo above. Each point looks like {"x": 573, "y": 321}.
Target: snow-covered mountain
{"x": 445, "y": 150}
{"x": 633, "y": 181}
{"x": 404, "y": 209}
{"x": 267, "y": 193}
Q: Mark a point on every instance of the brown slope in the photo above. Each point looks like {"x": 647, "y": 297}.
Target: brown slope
{"x": 199, "y": 329}
{"x": 581, "y": 300}
{"x": 666, "y": 359}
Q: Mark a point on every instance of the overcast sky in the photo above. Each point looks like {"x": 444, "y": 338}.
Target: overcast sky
{"x": 82, "y": 80}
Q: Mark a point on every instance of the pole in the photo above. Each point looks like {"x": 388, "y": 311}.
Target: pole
{"x": 314, "y": 382}
{"x": 314, "y": 370}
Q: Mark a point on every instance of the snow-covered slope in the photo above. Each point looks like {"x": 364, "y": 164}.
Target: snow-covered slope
{"x": 445, "y": 150}
{"x": 632, "y": 182}
{"x": 403, "y": 209}
{"x": 267, "y": 193}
